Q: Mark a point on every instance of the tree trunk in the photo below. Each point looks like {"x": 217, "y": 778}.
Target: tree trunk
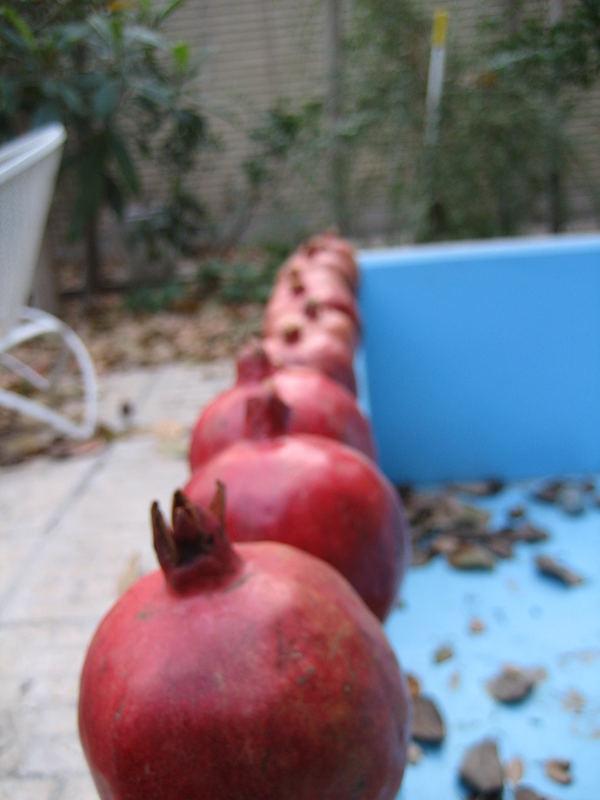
{"x": 558, "y": 215}
{"x": 92, "y": 253}
{"x": 337, "y": 158}
{"x": 44, "y": 294}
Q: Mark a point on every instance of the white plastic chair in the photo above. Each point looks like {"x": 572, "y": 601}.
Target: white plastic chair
{"x": 28, "y": 167}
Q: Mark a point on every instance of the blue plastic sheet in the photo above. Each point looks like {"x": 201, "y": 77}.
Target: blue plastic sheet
{"x": 483, "y": 360}
{"x": 530, "y": 621}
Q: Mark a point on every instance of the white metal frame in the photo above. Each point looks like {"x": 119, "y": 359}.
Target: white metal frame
{"x": 28, "y": 167}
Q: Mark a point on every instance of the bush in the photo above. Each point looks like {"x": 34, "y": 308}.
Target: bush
{"x": 122, "y": 90}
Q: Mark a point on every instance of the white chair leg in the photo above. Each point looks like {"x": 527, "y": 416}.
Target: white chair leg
{"x": 39, "y": 323}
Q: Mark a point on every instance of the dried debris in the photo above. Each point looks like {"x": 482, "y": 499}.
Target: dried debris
{"x": 514, "y": 769}
{"x": 559, "y": 770}
{"x": 527, "y": 793}
{"x": 485, "y": 488}
{"x": 472, "y": 556}
{"x": 443, "y": 653}
{"x": 414, "y": 685}
{"x": 512, "y": 684}
{"x": 454, "y": 681}
{"x": 481, "y": 770}
{"x": 414, "y": 753}
{"x": 517, "y": 512}
{"x": 530, "y": 534}
{"x": 553, "y": 569}
{"x": 573, "y": 701}
{"x": 476, "y": 626}
{"x": 572, "y": 496}
{"x": 428, "y": 726}
{"x": 442, "y": 524}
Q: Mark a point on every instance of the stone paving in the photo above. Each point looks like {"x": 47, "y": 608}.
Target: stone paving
{"x": 73, "y": 534}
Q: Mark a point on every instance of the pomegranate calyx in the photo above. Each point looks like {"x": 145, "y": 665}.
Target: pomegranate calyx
{"x": 266, "y": 414}
{"x": 297, "y": 284}
{"x": 195, "y": 551}
{"x": 312, "y": 308}
{"x": 254, "y": 364}
{"x": 291, "y": 333}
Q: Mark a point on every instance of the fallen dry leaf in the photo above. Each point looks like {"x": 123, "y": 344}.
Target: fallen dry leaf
{"x": 428, "y": 726}
{"x": 443, "y": 653}
{"x": 552, "y": 569}
{"x": 573, "y": 701}
{"x": 481, "y": 770}
{"x": 414, "y": 753}
{"x": 512, "y": 685}
{"x": 414, "y": 685}
{"x": 514, "y": 770}
{"x": 476, "y": 626}
{"x": 559, "y": 770}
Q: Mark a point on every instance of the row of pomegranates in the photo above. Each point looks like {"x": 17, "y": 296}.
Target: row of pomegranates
{"x": 259, "y": 670}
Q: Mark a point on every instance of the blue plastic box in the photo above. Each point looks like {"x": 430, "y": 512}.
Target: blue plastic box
{"x": 483, "y": 360}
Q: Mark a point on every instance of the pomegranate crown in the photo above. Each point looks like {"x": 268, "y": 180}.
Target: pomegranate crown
{"x": 253, "y": 363}
{"x": 195, "y": 551}
{"x": 266, "y": 414}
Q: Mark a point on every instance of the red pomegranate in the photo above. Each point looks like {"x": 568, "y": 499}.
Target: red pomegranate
{"x": 331, "y": 241}
{"x": 314, "y": 317}
{"x": 296, "y": 284}
{"x": 253, "y": 673}
{"x": 334, "y": 253}
{"x": 313, "y": 493}
{"x": 313, "y": 404}
{"x": 297, "y": 346}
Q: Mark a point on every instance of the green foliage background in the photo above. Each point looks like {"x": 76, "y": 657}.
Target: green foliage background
{"x": 127, "y": 94}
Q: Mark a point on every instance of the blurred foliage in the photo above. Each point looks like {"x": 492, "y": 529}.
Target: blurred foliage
{"x": 146, "y": 299}
{"x": 504, "y": 151}
{"x": 120, "y": 87}
{"x": 236, "y": 281}
{"x": 179, "y": 227}
{"x": 126, "y": 93}
{"x": 503, "y": 148}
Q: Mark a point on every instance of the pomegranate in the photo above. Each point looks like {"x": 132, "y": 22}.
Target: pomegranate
{"x": 314, "y": 404}
{"x": 335, "y": 253}
{"x": 253, "y": 673}
{"x": 317, "y": 349}
{"x": 296, "y": 284}
{"x": 313, "y": 493}
{"x": 330, "y": 241}
{"x": 314, "y": 317}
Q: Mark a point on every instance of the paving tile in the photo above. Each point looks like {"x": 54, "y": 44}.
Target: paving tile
{"x": 80, "y": 534}
{"x": 30, "y": 789}
{"x": 31, "y": 493}
{"x": 53, "y": 756}
{"x": 78, "y": 788}
{"x": 118, "y": 388}
{"x": 40, "y": 664}
{"x": 181, "y": 391}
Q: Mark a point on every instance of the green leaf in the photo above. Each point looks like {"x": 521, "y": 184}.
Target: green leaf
{"x": 167, "y": 11}
{"x": 71, "y": 33}
{"x": 106, "y": 98}
{"x": 17, "y": 21}
{"x": 47, "y": 112}
{"x": 139, "y": 35}
{"x": 145, "y": 7}
{"x": 120, "y": 154}
{"x": 101, "y": 26}
{"x": 154, "y": 92}
{"x": 90, "y": 167}
{"x": 114, "y": 196}
{"x": 181, "y": 55}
